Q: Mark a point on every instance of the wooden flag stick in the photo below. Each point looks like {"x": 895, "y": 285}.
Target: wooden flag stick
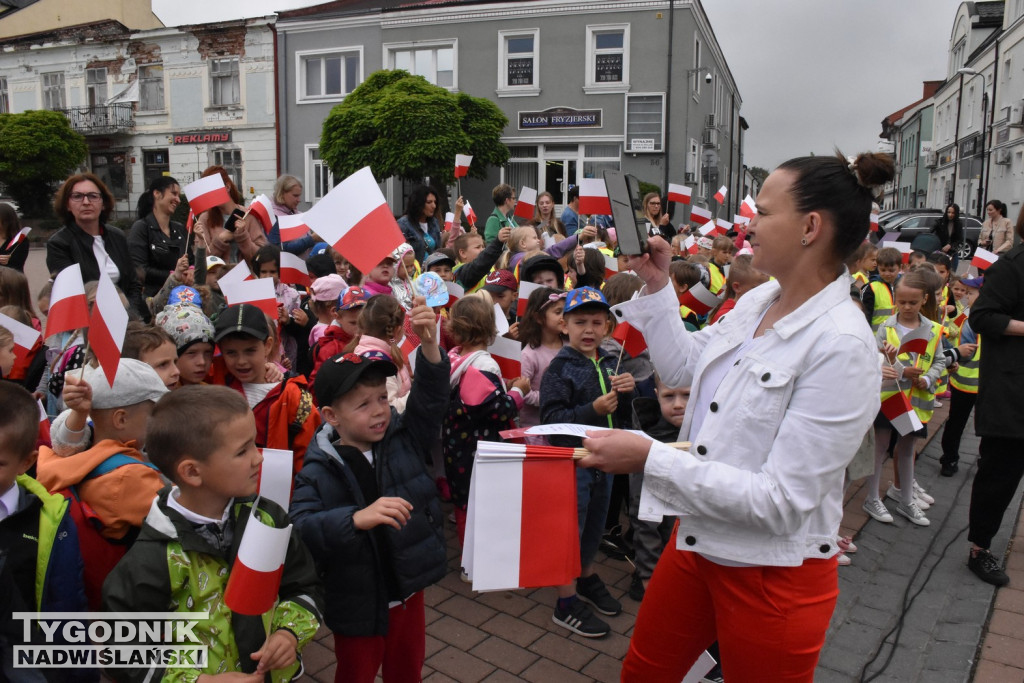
{"x": 579, "y": 453}
{"x": 621, "y": 351}
{"x": 416, "y": 292}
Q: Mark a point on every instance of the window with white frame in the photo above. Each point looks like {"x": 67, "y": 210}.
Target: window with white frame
{"x": 328, "y": 75}
{"x": 645, "y": 122}
{"x": 522, "y": 167}
{"x": 970, "y": 106}
{"x": 696, "y": 64}
{"x": 5, "y": 102}
{"x": 53, "y": 91}
{"x": 598, "y": 158}
{"x": 608, "y": 57}
{"x": 319, "y": 179}
{"x": 225, "y": 84}
{"x": 96, "y": 86}
{"x": 519, "y": 65}
{"x": 151, "y": 87}
{"x": 231, "y": 160}
{"x": 958, "y": 56}
{"x": 435, "y": 61}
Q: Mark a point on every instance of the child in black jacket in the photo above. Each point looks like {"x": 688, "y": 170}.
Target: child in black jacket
{"x": 581, "y": 387}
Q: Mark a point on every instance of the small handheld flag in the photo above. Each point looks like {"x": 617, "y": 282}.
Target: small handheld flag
{"x": 720, "y": 195}
{"x": 462, "y": 162}
{"x": 527, "y": 203}
{"x": 680, "y": 194}
{"x": 206, "y": 193}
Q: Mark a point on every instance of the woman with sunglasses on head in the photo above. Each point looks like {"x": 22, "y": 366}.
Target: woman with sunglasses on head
{"x": 657, "y": 216}
{"x": 783, "y": 390}
{"x": 84, "y": 204}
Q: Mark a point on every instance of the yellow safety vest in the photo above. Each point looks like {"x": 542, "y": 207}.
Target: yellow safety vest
{"x": 922, "y": 400}
{"x": 475, "y": 287}
{"x": 884, "y": 306}
{"x": 860, "y": 278}
{"x": 965, "y": 378}
{"x": 717, "y": 279}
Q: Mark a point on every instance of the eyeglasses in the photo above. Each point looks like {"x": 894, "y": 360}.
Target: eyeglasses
{"x": 82, "y": 196}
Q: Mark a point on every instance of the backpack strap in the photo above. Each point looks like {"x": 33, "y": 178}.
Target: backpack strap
{"x": 114, "y": 462}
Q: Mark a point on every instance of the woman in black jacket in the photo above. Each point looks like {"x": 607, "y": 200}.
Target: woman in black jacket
{"x": 155, "y": 242}
{"x": 84, "y": 203}
{"x": 12, "y": 252}
{"x": 950, "y": 231}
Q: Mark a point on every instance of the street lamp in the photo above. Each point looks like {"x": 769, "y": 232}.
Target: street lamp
{"x": 971, "y": 73}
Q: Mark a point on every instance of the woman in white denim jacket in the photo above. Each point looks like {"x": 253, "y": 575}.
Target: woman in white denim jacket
{"x": 784, "y": 389}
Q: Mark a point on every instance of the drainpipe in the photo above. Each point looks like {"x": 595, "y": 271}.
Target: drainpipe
{"x": 281, "y": 118}
{"x": 986, "y": 164}
{"x": 668, "y": 96}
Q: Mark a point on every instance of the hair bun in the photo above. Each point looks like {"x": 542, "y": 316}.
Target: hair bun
{"x": 872, "y": 169}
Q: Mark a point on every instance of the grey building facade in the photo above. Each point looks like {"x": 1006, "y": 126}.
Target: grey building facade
{"x": 586, "y": 86}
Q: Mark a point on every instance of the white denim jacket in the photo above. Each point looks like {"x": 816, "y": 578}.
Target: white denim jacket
{"x": 763, "y": 480}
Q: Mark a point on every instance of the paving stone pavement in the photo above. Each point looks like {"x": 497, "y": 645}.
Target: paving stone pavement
{"x": 509, "y": 636}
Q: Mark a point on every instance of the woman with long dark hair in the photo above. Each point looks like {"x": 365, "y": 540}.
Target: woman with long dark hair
{"x": 950, "y": 231}
{"x": 997, "y": 230}
{"x": 783, "y": 390}
{"x": 419, "y": 224}
{"x": 12, "y": 254}
{"x": 155, "y": 242}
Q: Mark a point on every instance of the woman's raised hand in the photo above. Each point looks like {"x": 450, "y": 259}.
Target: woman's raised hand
{"x": 652, "y": 267}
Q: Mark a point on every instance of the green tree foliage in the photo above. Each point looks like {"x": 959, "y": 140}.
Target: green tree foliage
{"x": 38, "y": 149}
{"x": 759, "y": 174}
{"x": 401, "y": 125}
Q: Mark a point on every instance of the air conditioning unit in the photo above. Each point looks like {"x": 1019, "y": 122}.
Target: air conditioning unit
{"x": 689, "y": 177}
{"x": 709, "y": 121}
{"x": 710, "y": 137}
{"x": 1003, "y": 157}
{"x": 932, "y": 159}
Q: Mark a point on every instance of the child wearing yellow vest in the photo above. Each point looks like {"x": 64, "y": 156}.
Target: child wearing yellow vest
{"x": 914, "y": 374}
{"x": 963, "y": 381}
{"x": 877, "y": 296}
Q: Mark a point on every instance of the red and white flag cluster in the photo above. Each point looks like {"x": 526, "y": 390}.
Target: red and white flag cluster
{"x": 720, "y": 195}
{"x": 108, "y": 325}
{"x": 983, "y": 258}
{"x": 699, "y": 299}
{"x": 256, "y": 573}
{"x": 901, "y": 414}
{"x": 527, "y": 203}
{"x": 240, "y": 287}
{"x": 594, "y": 197}
{"x": 206, "y": 193}
{"x": 680, "y": 194}
{"x": 521, "y": 526}
{"x": 462, "y": 162}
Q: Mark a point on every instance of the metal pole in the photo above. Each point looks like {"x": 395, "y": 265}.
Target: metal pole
{"x": 981, "y": 179}
{"x": 956, "y": 139}
{"x": 668, "y": 101}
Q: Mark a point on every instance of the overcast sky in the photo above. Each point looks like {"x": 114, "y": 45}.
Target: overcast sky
{"x": 813, "y": 74}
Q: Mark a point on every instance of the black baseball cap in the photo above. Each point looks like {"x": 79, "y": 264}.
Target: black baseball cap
{"x": 539, "y": 264}
{"x": 339, "y": 374}
{"x": 241, "y": 319}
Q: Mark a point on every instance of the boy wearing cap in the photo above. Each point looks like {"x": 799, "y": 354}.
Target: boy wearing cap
{"x": 285, "y": 416}
{"x": 192, "y": 333}
{"x": 368, "y": 510}
{"x": 441, "y": 263}
{"x": 112, "y": 482}
{"x": 342, "y": 330}
{"x": 503, "y": 289}
{"x": 581, "y": 387}
{"x": 203, "y": 438}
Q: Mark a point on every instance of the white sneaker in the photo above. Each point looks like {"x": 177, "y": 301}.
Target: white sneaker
{"x": 895, "y": 495}
{"x": 843, "y": 559}
{"x": 913, "y": 513}
{"x": 921, "y": 494}
{"x": 877, "y": 510}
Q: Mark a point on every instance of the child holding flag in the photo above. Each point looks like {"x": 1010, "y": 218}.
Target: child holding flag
{"x": 540, "y": 331}
{"x": 189, "y": 544}
{"x": 911, "y": 344}
{"x": 963, "y": 381}
{"x": 368, "y": 510}
{"x": 877, "y": 296}
{"x": 580, "y": 387}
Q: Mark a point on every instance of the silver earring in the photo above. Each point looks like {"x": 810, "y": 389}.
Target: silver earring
{"x": 804, "y": 241}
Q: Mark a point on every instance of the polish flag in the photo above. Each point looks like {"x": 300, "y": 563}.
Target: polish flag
{"x": 722, "y": 226}
{"x": 740, "y": 220}
{"x": 470, "y": 214}
{"x": 699, "y": 299}
{"x": 25, "y": 336}
{"x": 521, "y": 526}
{"x": 983, "y": 258}
{"x": 594, "y": 197}
{"x": 190, "y": 221}
{"x": 958, "y": 321}
{"x": 632, "y": 339}
{"x": 527, "y": 203}
{"x": 525, "y": 290}
{"x": 679, "y": 194}
{"x": 710, "y": 229}
{"x": 462, "y": 162}
{"x": 107, "y": 327}
{"x": 239, "y": 273}
{"x": 293, "y": 270}
{"x": 263, "y": 209}
{"x": 901, "y": 414}
{"x": 276, "y": 476}
{"x": 17, "y": 239}
{"x": 903, "y": 247}
{"x": 611, "y": 265}
{"x": 449, "y": 218}
{"x": 408, "y": 349}
{"x": 720, "y": 195}
{"x": 259, "y": 293}
{"x": 355, "y": 218}
{"x": 699, "y": 216}
{"x": 68, "y": 308}
{"x": 507, "y": 353}
{"x": 690, "y": 245}
{"x": 873, "y": 218}
{"x": 916, "y": 341}
{"x": 748, "y": 208}
{"x": 206, "y": 193}
{"x": 292, "y": 227}
{"x": 256, "y": 573}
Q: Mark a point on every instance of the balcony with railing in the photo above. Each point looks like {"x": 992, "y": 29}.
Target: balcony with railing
{"x": 104, "y": 119}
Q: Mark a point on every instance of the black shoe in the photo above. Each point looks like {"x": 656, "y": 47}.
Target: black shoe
{"x": 614, "y": 545}
{"x": 592, "y": 589}
{"x": 949, "y": 469}
{"x": 636, "y": 588}
{"x": 986, "y": 567}
{"x": 579, "y": 619}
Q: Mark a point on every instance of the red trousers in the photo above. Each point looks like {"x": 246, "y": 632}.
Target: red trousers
{"x": 400, "y": 652}
{"x": 770, "y": 622}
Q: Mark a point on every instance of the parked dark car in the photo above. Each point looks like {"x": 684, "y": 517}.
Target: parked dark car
{"x": 918, "y": 228}
{"x": 892, "y": 216}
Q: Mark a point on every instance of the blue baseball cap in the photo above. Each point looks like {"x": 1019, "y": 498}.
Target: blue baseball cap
{"x": 584, "y": 296}
{"x": 319, "y": 248}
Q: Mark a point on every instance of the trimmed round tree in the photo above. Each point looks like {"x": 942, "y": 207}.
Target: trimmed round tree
{"x": 38, "y": 149}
